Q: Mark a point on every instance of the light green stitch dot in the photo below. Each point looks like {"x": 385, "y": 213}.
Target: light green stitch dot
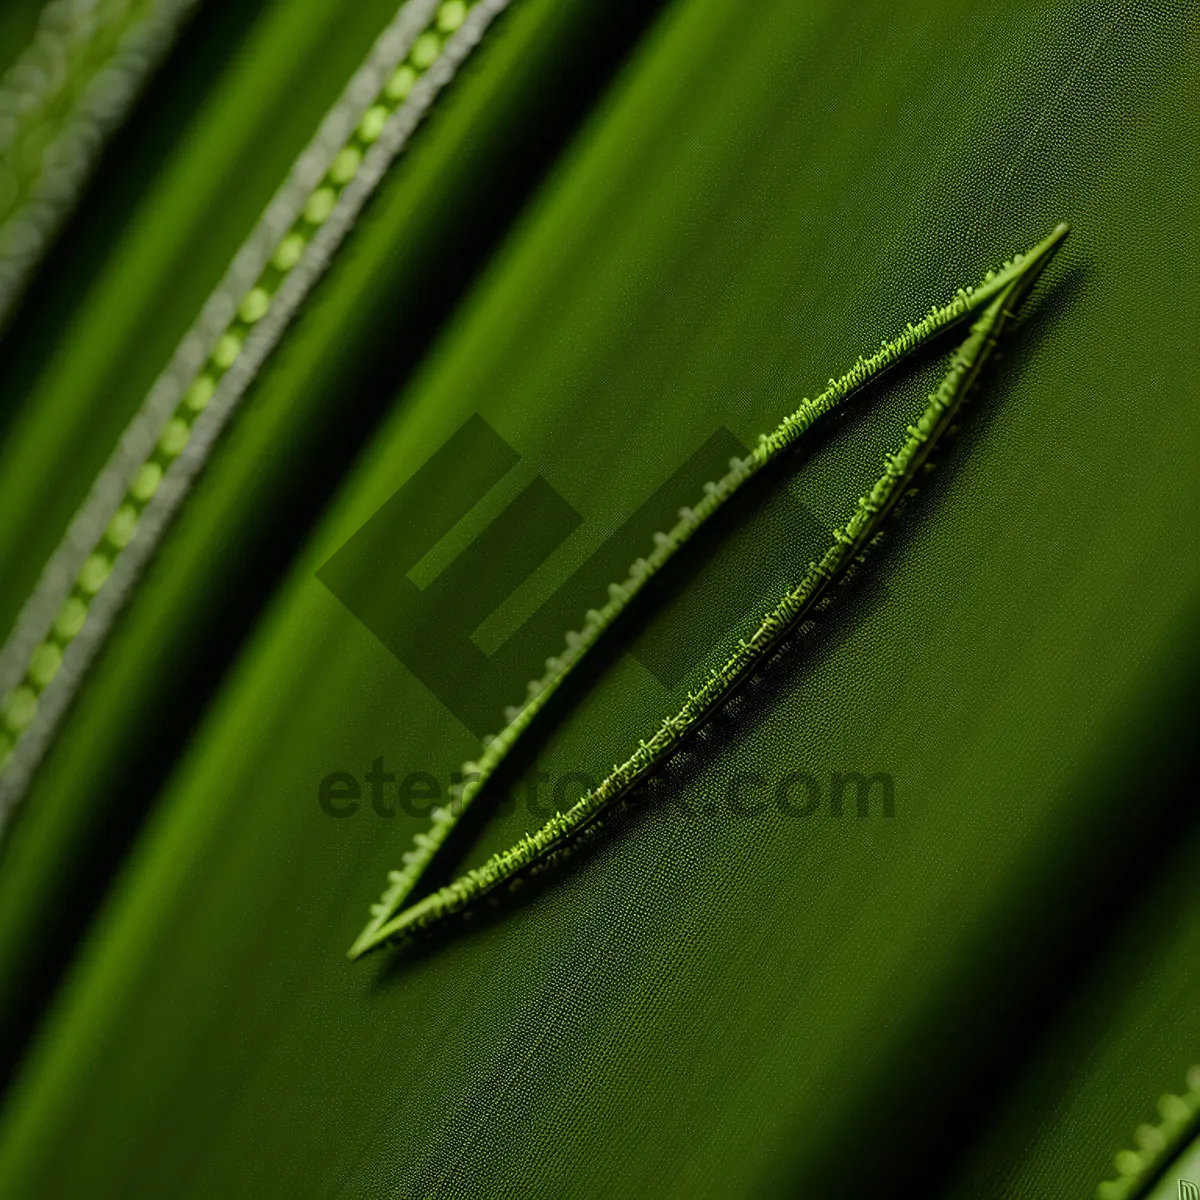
{"x": 451, "y": 15}
{"x": 254, "y": 305}
{"x": 425, "y": 51}
{"x": 1150, "y": 1138}
{"x": 401, "y": 83}
{"x": 20, "y": 708}
{"x": 200, "y": 393}
{"x": 289, "y": 252}
{"x": 120, "y": 528}
{"x": 372, "y": 123}
{"x": 174, "y": 437}
{"x": 44, "y": 663}
{"x": 228, "y": 347}
{"x": 1128, "y": 1162}
{"x": 346, "y": 165}
{"x": 320, "y": 205}
{"x": 146, "y": 481}
{"x": 70, "y": 619}
{"x": 93, "y": 574}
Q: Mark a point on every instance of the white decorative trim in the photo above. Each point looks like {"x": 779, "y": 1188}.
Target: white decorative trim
{"x": 140, "y": 437}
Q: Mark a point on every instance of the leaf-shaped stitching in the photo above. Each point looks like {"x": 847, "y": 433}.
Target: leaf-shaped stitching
{"x": 999, "y": 298}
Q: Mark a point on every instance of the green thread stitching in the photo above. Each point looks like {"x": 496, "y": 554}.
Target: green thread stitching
{"x": 1001, "y": 293}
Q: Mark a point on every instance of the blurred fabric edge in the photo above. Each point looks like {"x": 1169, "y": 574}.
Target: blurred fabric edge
{"x": 61, "y": 97}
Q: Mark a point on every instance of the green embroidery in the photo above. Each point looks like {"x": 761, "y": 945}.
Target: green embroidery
{"x": 994, "y": 305}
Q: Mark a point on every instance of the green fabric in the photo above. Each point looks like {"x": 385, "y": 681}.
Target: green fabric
{"x": 700, "y": 1005}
